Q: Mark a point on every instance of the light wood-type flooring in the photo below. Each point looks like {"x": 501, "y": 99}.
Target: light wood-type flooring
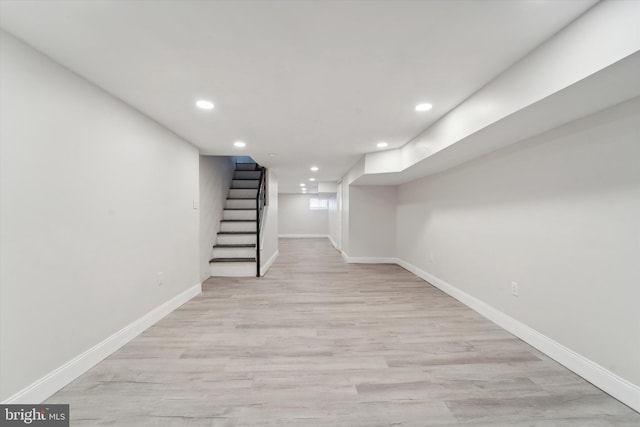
{"x": 318, "y": 342}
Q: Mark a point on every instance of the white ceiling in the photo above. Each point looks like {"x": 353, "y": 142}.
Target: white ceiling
{"x": 318, "y": 82}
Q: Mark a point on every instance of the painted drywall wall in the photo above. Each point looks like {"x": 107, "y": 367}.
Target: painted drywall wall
{"x": 339, "y": 219}
{"x": 327, "y": 187}
{"x": 344, "y": 213}
{"x": 372, "y": 230}
{"x": 344, "y": 189}
{"x": 216, "y": 173}
{"x": 269, "y": 234}
{"x": 295, "y": 217}
{"x": 333, "y": 220}
{"x": 558, "y": 214}
{"x": 96, "y": 200}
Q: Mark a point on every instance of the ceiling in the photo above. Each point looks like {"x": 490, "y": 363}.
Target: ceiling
{"x": 317, "y": 82}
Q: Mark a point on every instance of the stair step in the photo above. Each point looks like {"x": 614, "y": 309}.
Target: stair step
{"x": 255, "y": 174}
{"x": 233, "y": 260}
{"x": 243, "y": 193}
{"x": 241, "y": 204}
{"x": 245, "y": 226}
{"x": 236, "y": 238}
{"x": 245, "y": 183}
{"x": 246, "y": 166}
{"x": 234, "y": 251}
{"x": 239, "y": 215}
{"x": 236, "y": 241}
{"x": 236, "y": 268}
{"x": 237, "y": 232}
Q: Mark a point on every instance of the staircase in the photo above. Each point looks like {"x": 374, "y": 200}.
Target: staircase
{"x": 236, "y": 253}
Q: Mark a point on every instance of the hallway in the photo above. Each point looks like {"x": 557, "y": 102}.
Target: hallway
{"x": 318, "y": 342}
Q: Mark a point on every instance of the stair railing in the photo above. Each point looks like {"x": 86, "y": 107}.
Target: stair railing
{"x": 261, "y": 198}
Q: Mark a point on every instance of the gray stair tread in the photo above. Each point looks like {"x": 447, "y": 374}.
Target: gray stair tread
{"x": 238, "y": 245}
{"x": 233, "y": 260}
{"x": 240, "y": 209}
{"x": 238, "y": 220}
{"x": 242, "y": 198}
{"x": 237, "y": 232}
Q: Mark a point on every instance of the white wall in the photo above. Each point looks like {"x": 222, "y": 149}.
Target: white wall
{"x": 96, "y": 199}
{"x": 344, "y": 188}
{"x": 333, "y": 220}
{"x": 344, "y": 212}
{"x": 295, "y": 217}
{"x": 559, "y": 215}
{"x": 216, "y": 173}
{"x": 269, "y": 231}
{"x": 340, "y": 218}
{"x": 372, "y": 218}
{"x": 329, "y": 187}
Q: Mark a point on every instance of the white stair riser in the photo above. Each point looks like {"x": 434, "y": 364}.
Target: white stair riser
{"x": 243, "y": 194}
{"x": 236, "y": 239}
{"x": 245, "y": 166}
{"x": 238, "y": 226}
{"x": 233, "y": 269}
{"x": 234, "y": 252}
{"x": 242, "y": 183}
{"x": 248, "y": 215}
{"x": 246, "y": 175}
{"x": 241, "y": 204}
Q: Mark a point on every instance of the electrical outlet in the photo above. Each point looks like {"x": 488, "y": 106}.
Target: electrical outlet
{"x": 160, "y": 278}
{"x": 514, "y": 289}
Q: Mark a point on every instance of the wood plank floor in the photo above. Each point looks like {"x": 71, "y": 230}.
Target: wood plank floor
{"x": 321, "y": 343}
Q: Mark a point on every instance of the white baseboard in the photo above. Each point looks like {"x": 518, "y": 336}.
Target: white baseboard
{"x": 267, "y": 265}
{"x": 368, "y": 260}
{"x": 60, "y": 377}
{"x": 302, "y": 236}
{"x": 623, "y": 390}
{"x": 371, "y": 260}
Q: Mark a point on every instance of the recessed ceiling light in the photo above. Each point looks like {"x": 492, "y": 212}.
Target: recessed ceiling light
{"x": 273, "y": 154}
{"x": 382, "y": 145}
{"x": 302, "y": 184}
{"x": 424, "y": 107}
{"x": 239, "y": 144}
{"x": 314, "y": 169}
{"x": 312, "y": 179}
{"x": 204, "y": 104}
